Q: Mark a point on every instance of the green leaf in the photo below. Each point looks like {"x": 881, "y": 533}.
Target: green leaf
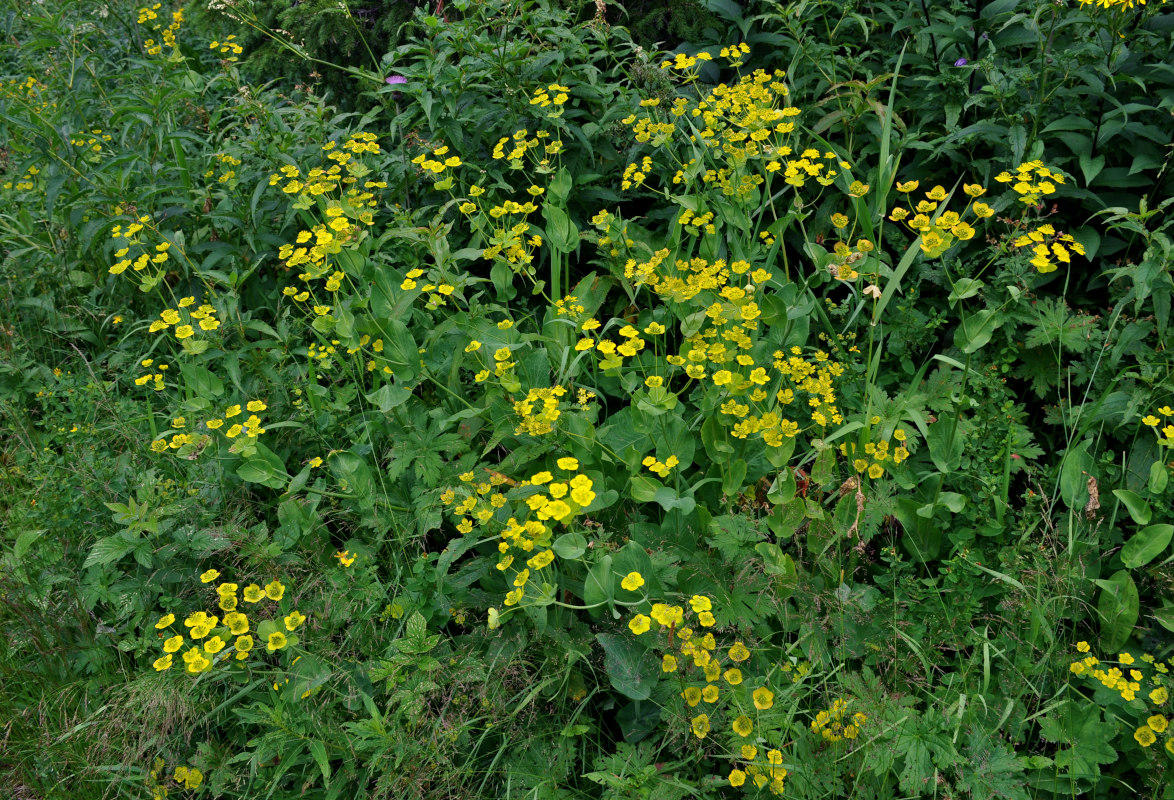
{"x": 963, "y": 289}
{"x": 946, "y": 445}
{"x": 1074, "y": 474}
{"x": 1091, "y": 166}
{"x": 107, "y": 550}
{"x": 569, "y": 546}
{"x": 632, "y": 669}
{"x": 976, "y": 330}
{"x": 1138, "y": 508}
{"x": 1159, "y": 478}
{"x": 597, "y": 588}
{"x": 1146, "y": 545}
{"x": 263, "y": 467}
{"x": 201, "y": 382}
{"x": 318, "y": 751}
{"x": 23, "y": 542}
{"x": 388, "y": 396}
{"x": 644, "y": 489}
{"x": 1118, "y": 609}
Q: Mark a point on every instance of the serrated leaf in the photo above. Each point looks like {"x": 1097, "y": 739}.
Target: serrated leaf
{"x": 107, "y": 550}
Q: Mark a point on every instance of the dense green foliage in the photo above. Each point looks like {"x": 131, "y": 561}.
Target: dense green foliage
{"x": 788, "y": 413}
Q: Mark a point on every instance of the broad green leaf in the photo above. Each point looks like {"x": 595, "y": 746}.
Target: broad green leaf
{"x": 976, "y": 330}
{"x": 632, "y": 669}
{"x": 1159, "y": 478}
{"x": 1138, "y": 508}
{"x": 1074, "y": 474}
{"x": 569, "y": 546}
{"x": 1118, "y": 609}
{"x": 24, "y": 541}
{"x": 1146, "y": 545}
{"x": 946, "y": 445}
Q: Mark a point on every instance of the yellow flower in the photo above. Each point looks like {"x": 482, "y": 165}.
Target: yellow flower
{"x": 667, "y": 664}
{"x": 1150, "y": 420}
{"x": 737, "y": 777}
{"x": 209, "y": 576}
{"x": 256, "y": 405}
{"x": 632, "y": 581}
{"x": 1125, "y": 658}
{"x": 237, "y": 623}
{"x": 568, "y": 464}
{"x": 739, "y": 652}
{"x": 253, "y": 593}
{"x": 163, "y": 663}
{"x": 692, "y": 696}
{"x": 1145, "y": 736}
{"x": 1158, "y": 723}
{"x": 1082, "y": 647}
{"x": 640, "y": 624}
{"x": 214, "y": 645}
{"x": 164, "y": 622}
{"x": 244, "y": 644}
{"x": 733, "y": 676}
{"x": 710, "y": 693}
{"x": 743, "y": 726}
{"x": 1159, "y": 696}
{"x": 274, "y": 590}
{"x": 763, "y": 699}
{"x": 173, "y": 644}
{"x": 700, "y": 603}
{"x": 276, "y": 641}
{"x": 294, "y": 620}
{"x": 700, "y": 726}
{"x": 706, "y": 619}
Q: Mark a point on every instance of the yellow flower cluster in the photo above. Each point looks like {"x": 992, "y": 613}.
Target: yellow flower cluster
{"x": 1122, "y": 4}
{"x": 149, "y": 17}
{"x": 347, "y": 208}
{"x": 718, "y": 682}
{"x": 27, "y": 183}
{"x": 1032, "y": 181}
{"x": 538, "y": 148}
{"x": 210, "y": 635}
{"x": 877, "y": 452}
{"x": 144, "y": 256}
{"x": 1056, "y": 244}
{"x": 154, "y": 378}
{"x": 91, "y": 140}
{"x": 661, "y": 468}
{"x": 227, "y": 48}
{"x": 613, "y": 353}
{"x": 553, "y": 95}
{"x": 188, "y": 777}
{"x": 538, "y": 411}
{"x": 228, "y": 173}
{"x": 938, "y": 234}
{"x": 529, "y": 510}
{"x": 834, "y": 724}
{"x": 1128, "y": 680}
{"x": 186, "y": 319}
{"x": 1164, "y": 428}
{"x": 438, "y": 163}
{"x": 746, "y": 123}
{"x": 28, "y": 92}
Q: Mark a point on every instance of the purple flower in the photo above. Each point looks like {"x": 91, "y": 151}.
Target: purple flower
{"x": 397, "y": 79}
{"x": 962, "y": 62}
